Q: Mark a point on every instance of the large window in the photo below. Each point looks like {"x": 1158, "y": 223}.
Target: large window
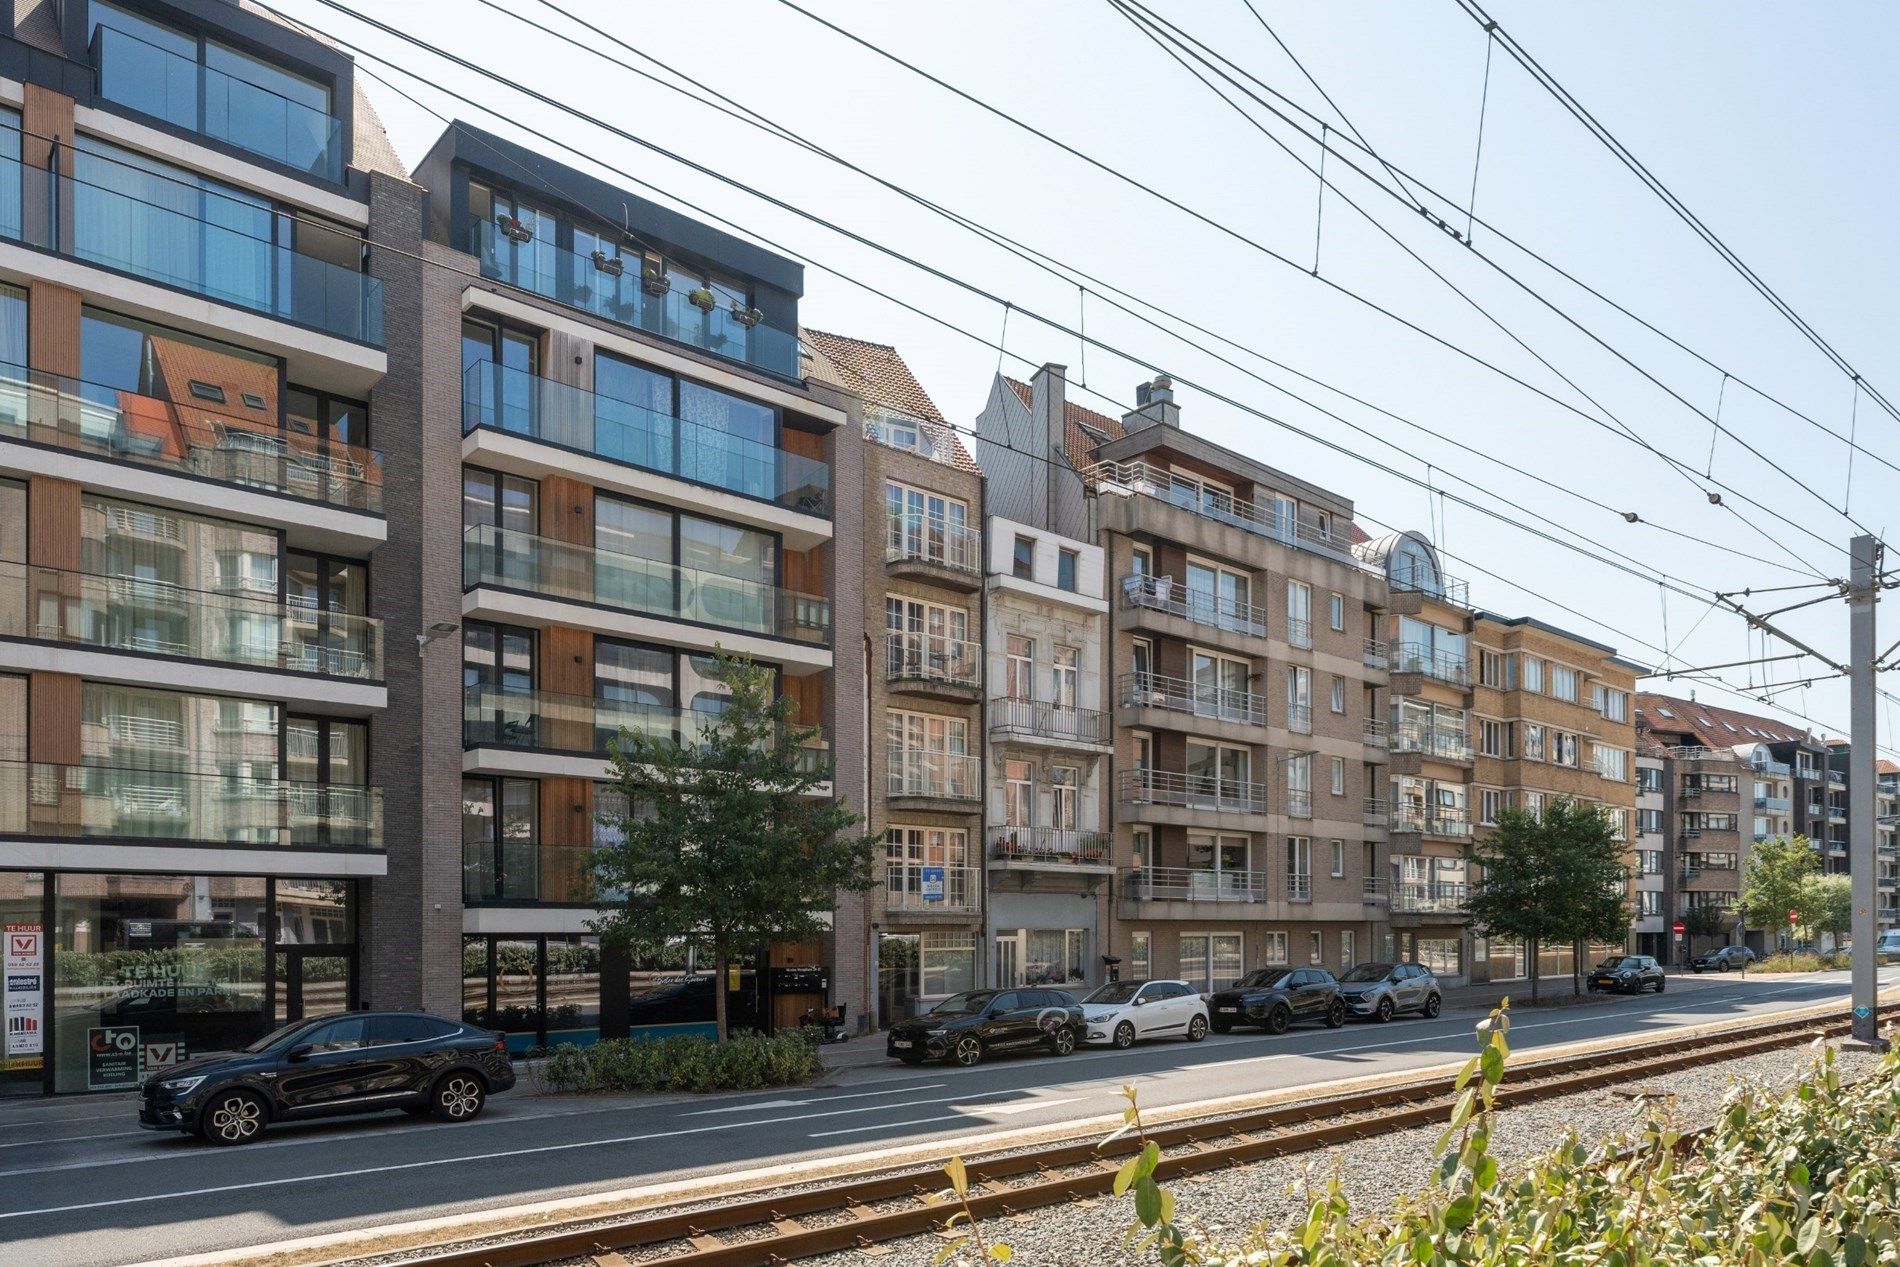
{"x": 928, "y": 868}
{"x": 500, "y": 857}
{"x": 1211, "y": 961}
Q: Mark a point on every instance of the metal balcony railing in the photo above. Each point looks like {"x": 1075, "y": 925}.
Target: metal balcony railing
{"x": 1375, "y": 810}
{"x": 1416, "y": 658}
{"x": 1299, "y": 803}
{"x": 1444, "y": 897}
{"x": 1372, "y": 888}
{"x": 922, "y": 538}
{"x": 1431, "y": 742}
{"x": 1376, "y": 653}
{"x": 514, "y": 560}
{"x": 945, "y": 775}
{"x": 1041, "y": 719}
{"x": 1377, "y": 733}
{"x": 1139, "y": 478}
{"x": 1064, "y": 846}
{"x": 918, "y": 886}
{"x": 1299, "y": 633}
{"x": 92, "y": 802}
{"x": 1151, "y": 690}
{"x": 1192, "y": 791}
{"x": 921, "y": 657}
{"x": 1299, "y": 887}
{"x": 1433, "y": 584}
{"x": 1194, "y": 884}
{"x": 1299, "y": 718}
{"x": 1451, "y": 823}
{"x": 1161, "y": 593}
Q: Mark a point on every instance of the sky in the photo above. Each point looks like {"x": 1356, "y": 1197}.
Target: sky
{"x": 1770, "y": 122}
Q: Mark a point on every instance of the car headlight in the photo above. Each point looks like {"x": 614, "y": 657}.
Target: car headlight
{"x": 179, "y": 1086}
{"x": 935, "y": 1033}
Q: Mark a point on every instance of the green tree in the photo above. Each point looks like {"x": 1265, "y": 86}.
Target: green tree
{"x": 723, "y": 846}
{"x": 1705, "y": 921}
{"x": 1774, "y": 881}
{"x": 1827, "y": 907}
{"x": 1557, "y": 877}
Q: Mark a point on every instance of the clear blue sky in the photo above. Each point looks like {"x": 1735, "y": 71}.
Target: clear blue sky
{"x": 1772, "y": 122}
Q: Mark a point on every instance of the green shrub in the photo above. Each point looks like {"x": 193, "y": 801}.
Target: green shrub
{"x": 685, "y": 1062}
{"x": 1800, "y": 963}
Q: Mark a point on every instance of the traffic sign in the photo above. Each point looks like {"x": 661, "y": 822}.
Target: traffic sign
{"x": 1794, "y": 917}
{"x": 1679, "y": 928}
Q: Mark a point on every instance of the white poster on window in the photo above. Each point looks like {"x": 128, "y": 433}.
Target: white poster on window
{"x": 23, "y": 991}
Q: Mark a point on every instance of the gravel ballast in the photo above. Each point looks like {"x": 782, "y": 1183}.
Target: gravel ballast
{"x": 1374, "y": 1172}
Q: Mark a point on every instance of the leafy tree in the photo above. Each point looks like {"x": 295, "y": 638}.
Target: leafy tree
{"x": 1827, "y": 907}
{"x": 1775, "y": 880}
{"x": 722, "y": 846}
{"x": 1559, "y": 877}
{"x": 1704, "y": 921}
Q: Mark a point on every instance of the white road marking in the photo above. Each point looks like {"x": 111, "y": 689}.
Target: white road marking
{"x": 67, "y": 1139}
{"x": 1015, "y": 1107}
{"x": 823, "y": 1099}
{"x": 915, "y": 1121}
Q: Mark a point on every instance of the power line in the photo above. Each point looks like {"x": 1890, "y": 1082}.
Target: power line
{"x": 1623, "y": 154}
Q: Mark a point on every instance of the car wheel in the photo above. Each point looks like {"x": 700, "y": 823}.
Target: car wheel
{"x": 1660, "y": 983}
{"x": 1433, "y": 1006}
{"x": 1336, "y": 1014}
{"x": 1197, "y": 1029}
{"x": 1722, "y": 967}
{"x": 1277, "y": 1020}
{"x": 1125, "y": 1035}
{"x": 1696, "y": 968}
{"x": 234, "y": 1117}
{"x": 1385, "y": 1009}
{"x": 1223, "y": 1027}
{"x": 1062, "y": 1042}
{"x": 968, "y": 1051}
{"x": 459, "y": 1097}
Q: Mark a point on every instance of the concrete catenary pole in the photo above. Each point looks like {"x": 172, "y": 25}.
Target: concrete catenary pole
{"x": 1863, "y": 587}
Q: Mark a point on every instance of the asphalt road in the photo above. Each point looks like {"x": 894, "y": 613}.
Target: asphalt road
{"x": 80, "y": 1184}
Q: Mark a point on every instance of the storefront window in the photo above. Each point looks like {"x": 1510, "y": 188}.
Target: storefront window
{"x": 153, "y": 970}
{"x": 1443, "y": 956}
{"x": 1053, "y": 956}
{"x": 949, "y": 962}
{"x": 573, "y": 990}
{"x": 518, "y": 991}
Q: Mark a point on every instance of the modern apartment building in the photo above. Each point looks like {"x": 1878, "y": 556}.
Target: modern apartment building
{"x": 920, "y": 564}
{"x": 1653, "y": 912}
{"x": 207, "y": 528}
{"x": 621, "y": 449}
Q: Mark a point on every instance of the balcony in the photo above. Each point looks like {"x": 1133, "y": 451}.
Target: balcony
{"x": 933, "y": 548}
{"x": 1299, "y": 633}
{"x": 1416, "y": 658}
{"x": 1376, "y": 733}
{"x": 1774, "y": 804}
{"x": 1179, "y": 695}
{"x": 1447, "y": 822}
{"x": 1445, "y": 589}
{"x": 222, "y": 247}
{"x": 181, "y": 90}
{"x": 1299, "y": 887}
{"x": 1372, "y": 890}
{"x": 1141, "y": 479}
{"x": 1377, "y": 654}
{"x": 1045, "y": 722}
{"x": 615, "y": 288}
{"x": 1042, "y": 847}
{"x": 1299, "y": 718}
{"x": 510, "y": 401}
{"x": 1192, "y": 791}
{"x": 522, "y": 872}
{"x": 940, "y": 776}
{"x": 1418, "y": 898}
{"x": 506, "y": 559}
{"x": 1431, "y": 742}
{"x": 917, "y": 887}
{"x": 1299, "y": 803}
{"x": 117, "y": 805}
{"x": 1161, "y": 594}
{"x": 932, "y": 664}
{"x": 544, "y": 721}
{"x": 1195, "y": 884}
{"x": 185, "y": 438}
{"x": 149, "y": 617}
{"x": 1375, "y": 811}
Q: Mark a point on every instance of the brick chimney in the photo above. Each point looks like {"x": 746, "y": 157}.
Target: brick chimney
{"x": 1154, "y": 406}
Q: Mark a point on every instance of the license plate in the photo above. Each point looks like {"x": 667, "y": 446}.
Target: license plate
{"x": 901, "y": 1042}
{"x": 1230, "y": 1009}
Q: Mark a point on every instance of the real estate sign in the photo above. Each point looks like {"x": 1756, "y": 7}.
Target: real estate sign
{"x": 22, "y": 989}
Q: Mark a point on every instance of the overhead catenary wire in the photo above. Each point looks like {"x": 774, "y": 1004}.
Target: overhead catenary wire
{"x": 971, "y": 335}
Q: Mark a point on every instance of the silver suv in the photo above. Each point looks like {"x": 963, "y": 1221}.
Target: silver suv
{"x": 1383, "y": 990}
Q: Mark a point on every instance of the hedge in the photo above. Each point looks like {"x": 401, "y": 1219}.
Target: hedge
{"x": 686, "y": 1062}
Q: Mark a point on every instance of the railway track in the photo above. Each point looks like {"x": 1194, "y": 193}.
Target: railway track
{"x": 863, "y": 1211}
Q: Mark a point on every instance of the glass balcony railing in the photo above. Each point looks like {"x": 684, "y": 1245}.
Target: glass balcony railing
{"x": 126, "y": 613}
{"x": 922, "y": 657}
{"x": 549, "y": 722}
{"x": 108, "y": 803}
{"x": 523, "y": 871}
{"x": 217, "y": 245}
{"x": 951, "y": 776}
{"x": 613, "y": 287}
{"x": 628, "y": 582}
{"x": 184, "y": 91}
{"x": 501, "y": 398}
{"x": 186, "y": 437}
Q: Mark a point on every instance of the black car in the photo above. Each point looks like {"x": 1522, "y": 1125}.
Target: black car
{"x": 1722, "y": 959}
{"x": 969, "y": 1026}
{"x": 351, "y": 1062}
{"x": 1274, "y": 998}
{"x": 1627, "y": 974}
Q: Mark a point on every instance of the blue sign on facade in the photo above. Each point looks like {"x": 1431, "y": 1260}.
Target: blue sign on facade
{"x": 933, "y": 884}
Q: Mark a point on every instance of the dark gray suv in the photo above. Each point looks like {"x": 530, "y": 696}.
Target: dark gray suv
{"x": 1722, "y": 959}
{"x": 1383, "y": 990}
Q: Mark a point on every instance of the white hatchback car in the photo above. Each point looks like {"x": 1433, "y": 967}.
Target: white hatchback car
{"x": 1120, "y": 1012}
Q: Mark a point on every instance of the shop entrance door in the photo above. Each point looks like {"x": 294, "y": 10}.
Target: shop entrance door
{"x": 313, "y": 981}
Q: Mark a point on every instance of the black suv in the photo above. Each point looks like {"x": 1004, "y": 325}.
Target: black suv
{"x": 1273, "y": 998}
{"x": 1628, "y": 974}
{"x": 967, "y": 1027}
{"x": 351, "y": 1062}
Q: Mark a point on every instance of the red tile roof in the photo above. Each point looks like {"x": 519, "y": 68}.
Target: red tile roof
{"x": 877, "y": 373}
{"x": 1076, "y": 442}
{"x": 1711, "y": 725}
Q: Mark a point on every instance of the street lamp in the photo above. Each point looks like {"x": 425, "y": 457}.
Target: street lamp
{"x": 440, "y": 629}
